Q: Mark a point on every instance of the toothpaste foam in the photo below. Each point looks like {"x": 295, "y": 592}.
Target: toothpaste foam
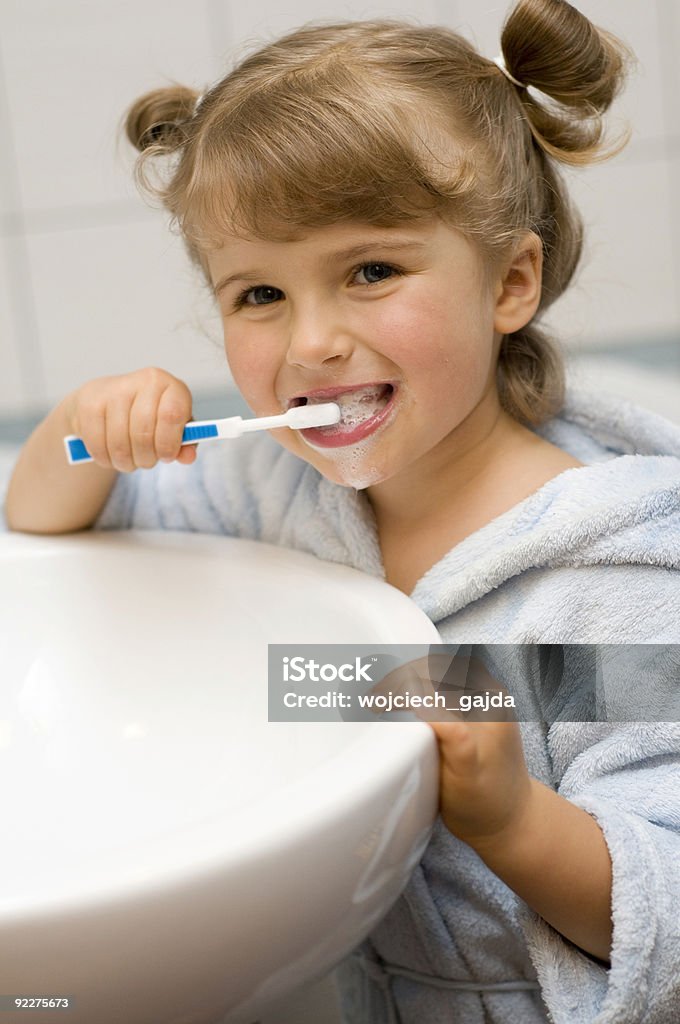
{"x": 358, "y": 406}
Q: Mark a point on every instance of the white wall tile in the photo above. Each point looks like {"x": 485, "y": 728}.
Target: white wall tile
{"x": 262, "y": 23}
{"x": 668, "y": 17}
{"x": 111, "y": 300}
{"x": 673, "y": 213}
{"x": 627, "y": 287}
{"x": 480, "y": 22}
{"x": 12, "y": 395}
{"x": 72, "y": 68}
{"x": 635, "y": 23}
{"x": 8, "y": 201}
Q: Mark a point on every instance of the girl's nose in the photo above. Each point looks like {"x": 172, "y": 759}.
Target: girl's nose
{"x": 312, "y": 346}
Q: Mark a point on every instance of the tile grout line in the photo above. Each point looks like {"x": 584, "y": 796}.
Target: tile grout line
{"x": 19, "y": 278}
{"x": 109, "y": 213}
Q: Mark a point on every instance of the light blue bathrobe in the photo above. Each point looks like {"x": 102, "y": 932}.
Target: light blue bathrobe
{"x": 591, "y": 557}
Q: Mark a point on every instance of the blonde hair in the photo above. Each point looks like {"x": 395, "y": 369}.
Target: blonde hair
{"x": 385, "y": 122}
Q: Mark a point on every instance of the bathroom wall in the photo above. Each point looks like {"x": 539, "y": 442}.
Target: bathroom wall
{"x": 91, "y": 280}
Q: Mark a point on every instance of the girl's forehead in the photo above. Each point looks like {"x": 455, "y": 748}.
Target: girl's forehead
{"x": 320, "y": 235}
{"x": 339, "y": 240}
{"x": 323, "y": 247}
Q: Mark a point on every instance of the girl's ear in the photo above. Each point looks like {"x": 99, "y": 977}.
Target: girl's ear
{"x": 518, "y": 293}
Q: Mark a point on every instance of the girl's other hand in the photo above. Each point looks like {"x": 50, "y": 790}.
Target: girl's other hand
{"x": 484, "y": 784}
{"x": 485, "y": 787}
{"x": 134, "y": 420}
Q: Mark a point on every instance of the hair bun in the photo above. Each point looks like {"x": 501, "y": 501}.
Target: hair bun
{"x": 554, "y": 48}
{"x": 159, "y": 118}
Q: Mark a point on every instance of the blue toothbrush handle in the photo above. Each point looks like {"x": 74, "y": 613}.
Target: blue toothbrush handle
{"x": 199, "y": 432}
{"x": 77, "y": 453}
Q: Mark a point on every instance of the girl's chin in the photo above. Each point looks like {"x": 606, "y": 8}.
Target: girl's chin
{"x": 350, "y": 466}
{"x": 348, "y": 471}
{"x": 358, "y": 478}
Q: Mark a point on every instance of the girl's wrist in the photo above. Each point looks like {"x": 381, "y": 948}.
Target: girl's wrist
{"x": 501, "y": 845}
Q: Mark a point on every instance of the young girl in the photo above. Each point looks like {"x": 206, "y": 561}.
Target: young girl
{"x": 378, "y": 211}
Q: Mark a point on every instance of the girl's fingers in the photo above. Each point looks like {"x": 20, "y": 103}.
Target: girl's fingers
{"x": 92, "y": 429}
{"x": 187, "y": 454}
{"x": 130, "y": 421}
{"x": 457, "y": 743}
{"x": 410, "y": 680}
{"x": 143, "y": 428}
{"x": 118, "y": 444}
{"x": 422, "y": 676}
{"x": 405, "y": 678}
{"x": 462, "y": 744}
{"x": 450, "y": 732}
{"x": 174, "y": 410}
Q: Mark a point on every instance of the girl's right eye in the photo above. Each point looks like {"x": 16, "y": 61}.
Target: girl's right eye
{"x": 240, "y": 299}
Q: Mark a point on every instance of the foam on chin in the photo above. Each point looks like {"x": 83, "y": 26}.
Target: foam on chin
{"x": 351, "y": 463}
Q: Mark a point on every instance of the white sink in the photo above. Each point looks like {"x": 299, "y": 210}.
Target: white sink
{"x": 168, "y": 855}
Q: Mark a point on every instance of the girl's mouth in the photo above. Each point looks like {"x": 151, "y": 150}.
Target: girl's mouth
{"x": 363, "y": 411}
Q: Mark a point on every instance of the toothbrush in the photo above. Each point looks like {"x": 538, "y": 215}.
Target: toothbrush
{"x": 299, "y": 418}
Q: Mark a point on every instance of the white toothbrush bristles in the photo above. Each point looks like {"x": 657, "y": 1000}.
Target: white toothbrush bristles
{"x": 299, "y": 418}
{"x": 303, "y": 416}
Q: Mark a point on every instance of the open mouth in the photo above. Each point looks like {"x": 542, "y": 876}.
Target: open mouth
{"x": 363, "y": 412}
{"x": 356, "y": 406}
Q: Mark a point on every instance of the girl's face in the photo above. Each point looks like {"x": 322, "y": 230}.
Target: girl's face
{"x": 402, "y": 333}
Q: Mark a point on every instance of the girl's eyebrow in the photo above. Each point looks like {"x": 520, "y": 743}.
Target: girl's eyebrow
{"x": 389, "y": 244}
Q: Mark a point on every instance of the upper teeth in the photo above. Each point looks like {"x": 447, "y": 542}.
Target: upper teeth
{"x": 371, "y": 391}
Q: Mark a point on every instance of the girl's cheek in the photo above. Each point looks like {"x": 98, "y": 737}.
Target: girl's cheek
{"x": 402, "y": 330}
{"x": 248, "y": 370}
{"x": 422, "y": 326}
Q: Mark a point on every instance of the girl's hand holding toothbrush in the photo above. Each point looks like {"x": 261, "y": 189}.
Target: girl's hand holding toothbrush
{"x": 143, "y": 417}
{"x": 134, "y": 420}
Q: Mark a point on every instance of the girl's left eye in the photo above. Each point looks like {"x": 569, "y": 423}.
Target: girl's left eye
{"x": 242, "y": 297}
{"x": 372, "y": 266}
